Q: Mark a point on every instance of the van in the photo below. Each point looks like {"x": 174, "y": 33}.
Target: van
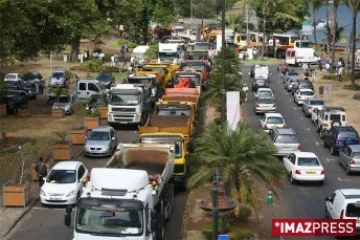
{"x": 344, "y": 204}
{"x": 57, "y": 78}
{"x": 86, "y": 88}
{"x": 301, "y": 53}
{"x": 138, "y": 53}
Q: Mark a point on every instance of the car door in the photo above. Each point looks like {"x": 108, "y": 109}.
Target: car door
{"x": 92, "y": 89}
{"x": 81, "y": 90}
{"x": 289, "y": 162}
{"x": 81, "y": 173}
{"x": 330, "y": 206}
{"x": 330, "y": 136}
{"x": 262, "y": 121}
{"x": 345, "y": 155}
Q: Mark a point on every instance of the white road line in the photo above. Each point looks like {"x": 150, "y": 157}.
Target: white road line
{"x": 329, "y": 159}
{"x": 316, "y": 143}
{"x": 301, "y": 118}
{"x": 344, "y": 179}
{"x": 289, "y": 100}
{"x": 308, "y": 129}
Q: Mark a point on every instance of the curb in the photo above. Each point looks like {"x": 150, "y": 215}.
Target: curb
{"x": 29, "y": 207}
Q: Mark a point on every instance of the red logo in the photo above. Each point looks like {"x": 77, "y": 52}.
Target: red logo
{"x": 313, "y": 227}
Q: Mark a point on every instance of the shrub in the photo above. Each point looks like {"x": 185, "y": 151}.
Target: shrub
{"x": 241, "y": 234}
{"x": 329, "y": 76}
{"x": 243, "y": 212}
{"x": 152, "y": 52}
{"x": 208, "y": 229}
{"x": 110, "y": 69}
{"x": 357, "y": 96}
{"x": 93, "y": 65}
{"x": 123, "y": 41}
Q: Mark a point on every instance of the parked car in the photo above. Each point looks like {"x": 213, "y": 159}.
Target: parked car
{"x": 65, "y": 102}
{"x": 264, "y": 93}
{"x": 329, "y": 117}
{"x": 36, "y": 78}
{"x": 285, "y": 140}
{"x": 339, "y": 137}
{"x": 62, "y": 186}
{"x": 101, "y": 141}
{"x": 106, "y": 79}
{"x": 259, "y": 83}
{"x": 344, "y": 204}
{"x": 349, "y": 158}
{"x": 291, "y": 75}
{"x": 301, "y": 84}
{"x": 13, "y": 102}
{"x": 263, "y": 105}
{"x": 13, "y": 77}
{"x": 272, "y": 120}
{"x": 303, "y": 94}
{"x": 57, "y": 78}
{"x": 311, "y": 103}
{"x": 29, "y": 89}
{"x": 304, "y": 166}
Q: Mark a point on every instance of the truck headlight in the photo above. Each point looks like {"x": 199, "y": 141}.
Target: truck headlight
{"x": 137, "y": 117}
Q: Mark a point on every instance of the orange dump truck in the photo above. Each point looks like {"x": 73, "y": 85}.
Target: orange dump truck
{"x": 181, "y": 99}
{"x": 182, "y": 91}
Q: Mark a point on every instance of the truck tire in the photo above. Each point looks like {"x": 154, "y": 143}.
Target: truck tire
{"x": 160, "y": 231}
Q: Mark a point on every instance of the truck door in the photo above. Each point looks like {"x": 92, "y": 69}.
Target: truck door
{"x": 92, "y": 89}
{"x": 81, "y": 90}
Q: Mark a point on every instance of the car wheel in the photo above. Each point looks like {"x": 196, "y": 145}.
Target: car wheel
{"x": 347, "y": 170}
{"x": 292, "y": 180}
{"x": 332, "y": 150}
{"x": 324, "y": 144}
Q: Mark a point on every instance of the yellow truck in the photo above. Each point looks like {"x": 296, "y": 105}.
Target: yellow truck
{"x": 181, "y": 99}
{"x": 166, "y": 69}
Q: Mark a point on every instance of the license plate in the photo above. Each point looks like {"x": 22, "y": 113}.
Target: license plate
{"x": 55, "y": 198}
{"x": 287, "y": 148}
{"x": 275, "y": 126}
{"x": 311, "y": 172}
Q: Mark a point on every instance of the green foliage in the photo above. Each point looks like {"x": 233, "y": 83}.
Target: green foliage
{"x": 352, "y": 87}
{"x": 94, "y": 113}
{"x": 110, "y": 69}
{"x": 58, "y": 91}
{"x": 243, "y": 212}
{"x": 208, "y": 229}
{"x": 93, "y": 65}
{"x": 237, "y": 154}
{"x": 241, "y": 234}
{"x": 68, "y": 74}
{"x": 152, "y": 52}
{"x": 61, "y": 135}
{"x": 123, "y": 41}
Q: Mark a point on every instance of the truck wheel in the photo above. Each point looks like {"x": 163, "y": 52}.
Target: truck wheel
{"x": 160, "y": 231}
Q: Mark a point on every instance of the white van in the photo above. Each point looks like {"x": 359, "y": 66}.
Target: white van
{"x": 301, "y": 53}
{"x": 86, "y": 88}
{"x": 139, "y": 53}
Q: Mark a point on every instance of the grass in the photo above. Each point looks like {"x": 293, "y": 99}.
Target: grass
{"x": 113, "y": 44}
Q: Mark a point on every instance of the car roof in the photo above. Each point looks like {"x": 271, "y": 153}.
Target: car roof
{"x": 350, "y": 193}
{"x": 333, "y": 109}
{"x": 273, "y": 115}
{"x": 306, "y": 90}
{"x": 264, "y": 89}
{"x": 66, "y": 165}
{"x": 285, "y": 131}
{"x": 355, "y": 147}
{"x": 305, "y": 154}
{"x": 101, "y": 128}
{"x": 345, "y": 128}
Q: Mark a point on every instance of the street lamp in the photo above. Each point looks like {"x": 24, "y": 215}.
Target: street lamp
{"x": 223, "y": 91}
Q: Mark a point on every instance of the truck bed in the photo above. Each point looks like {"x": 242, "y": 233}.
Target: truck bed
{"x": 169, "y": 124}
{"x": 181, "y": 98}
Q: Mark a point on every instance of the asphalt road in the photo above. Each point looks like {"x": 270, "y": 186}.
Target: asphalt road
{"x": 47, "y": 223}
{"x": 306, "y": 200}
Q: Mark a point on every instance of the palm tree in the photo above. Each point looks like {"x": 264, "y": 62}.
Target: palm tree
{"x": 239, "y": 156}
{"x": 336, "y": 4}
{"x": 212, "y": 95}
{"x": 316, "y": 4}
{"x": 281, "y": 9}
{"x": 339, "y": 36}
{"x": 354, "y": 5}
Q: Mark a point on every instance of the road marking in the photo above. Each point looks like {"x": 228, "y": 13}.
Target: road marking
{"x": 301, "y": 118}
{"x": 329, "y": 159}
{"x": 289, "y": 100}
{"x": 317, "y": 143}
{"x": 311, "y": 129}
{"x": 344, "y": 179}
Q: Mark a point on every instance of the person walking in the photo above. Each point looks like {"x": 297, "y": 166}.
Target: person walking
{"x": 320, "y": 67}
{"x": 327, "y": 67}
{"x": 313, "y": 75}
{"x": 112, "y": 61}
{"x": 41, "y": 170}
{"x": 340, "y": 74}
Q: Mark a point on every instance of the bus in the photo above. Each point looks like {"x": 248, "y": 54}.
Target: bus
{"x": 284, "y": 39}
{"x": 256, "y": 39}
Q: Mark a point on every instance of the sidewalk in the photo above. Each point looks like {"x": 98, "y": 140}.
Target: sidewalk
{"x": 10, "y": 216}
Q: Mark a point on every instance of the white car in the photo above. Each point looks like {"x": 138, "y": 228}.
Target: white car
{"x": 314, "y": 114}
{"x": 303, "y": 94}
{"x": 272, "y": 120}
{"x": 264, "y": 93}
{"x": 13, "y": 77}
{"x": 304, "y": 166}
{"x": 62, "y": 186}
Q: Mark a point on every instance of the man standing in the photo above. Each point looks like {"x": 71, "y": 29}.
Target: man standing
{"x": 41, "y": 170}
{"x": 112, "y": 60}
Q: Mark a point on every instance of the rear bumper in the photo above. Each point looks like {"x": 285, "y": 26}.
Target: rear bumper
{"x": 264, "y": 110}
{"x": 315, "y": 178}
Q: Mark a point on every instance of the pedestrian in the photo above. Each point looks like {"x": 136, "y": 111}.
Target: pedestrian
{"x": 41, "y": 170}
{"x": 67, "y": 83}
{"x": 126, "y": 46}
{"x": 327, "y": 67}
{"x": 320, "y": 67}
{"x": 122, "y": 52}
{"x": 340, "y": 74}
{"x": 112, "y": 61}
{"x": 313, "y": 75}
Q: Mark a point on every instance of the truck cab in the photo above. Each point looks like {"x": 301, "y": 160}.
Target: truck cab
{"x": 128, "y": 104}
{"x": 172, "y": 53}
{"x": 164, "y": 69}
{"x": 189, "y": 73}
{"x": 86, "y": 88}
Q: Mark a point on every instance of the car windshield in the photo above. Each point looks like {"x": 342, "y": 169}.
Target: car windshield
{"x": 306, "y": 93}
{"x": 63, "y": 99}
{"x": 348, "y": 135}
{"x": 111, "y": 221}
{"x": 116, "y": 98}
{"x": 265, "y": 94}
{"x": 202, "y": 46}
{"x": 293, "y": 73}
{"x": 196, "y": 66}
{"x": 353, "y": 210}
{"x": 265, "y": 101}
{"x": 57, "y": 75}
{"x": 104, "y": 77}
{"x": 168, "y": 55}
{"x": 99, "y": 136}
{"x": 260, "y": 81}
{"x": 196, "y": 55}
{"x": 275, "y": 120}
{"x": 302, "y": 161}
{"x": 286, "y": 139}
{"x": 316, "y": 102}
{"x": 61, "y": 176}
{"x": 11, "y": 77}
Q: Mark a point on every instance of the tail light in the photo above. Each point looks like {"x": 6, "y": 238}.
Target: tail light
{"x": 299, "y": 147}
{"x": 297, "y": 172}
{"x": 274, "y": 105}
{"x": 322, "y": 172}
{"x": 88, "y": 176}
{"x": 352, "y": 161}
{"x": 299, "y": 97}
{"x": 265, "y": 126}
{"x": 342, "y": 214}
{"x": 310, "y": 107}
{"x": 257, "y": 105}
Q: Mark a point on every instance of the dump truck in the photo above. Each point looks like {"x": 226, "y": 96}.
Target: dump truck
{"x": 202, "y": 66}
{"x": 188, "y": 73}
{"x": 168, "y": 70}
{"x": 130, "y": 197}
{"x": 182, "y": 91}
{"x": 181, "y": 99}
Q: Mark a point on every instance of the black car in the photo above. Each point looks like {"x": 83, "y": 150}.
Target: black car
{"x": 36, "y": 78}
{"x": 106, "y": 79}
{"x": 302, "y": 84}
{"x": 27, "y": 87}
{"x": 259, "y": 83}
{"x": 338, "y": 137}
{"x": 13, "y": 102}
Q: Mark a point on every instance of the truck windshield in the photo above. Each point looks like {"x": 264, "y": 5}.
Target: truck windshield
{"x": 168, "y": 56}
{"x": 124, "y": 99}
{"x": 173, "y": 112}
{"x": 63, "y": 99}
{"x": 165, "y": 140}
{"x": 109, "y": 220}
{"x": 194, "y": 78}
{"x": 196, "y": 55}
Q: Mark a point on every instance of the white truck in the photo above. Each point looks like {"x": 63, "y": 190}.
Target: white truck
{"x": 262, "y": 72}
{"x": 128, "y": 199}
{"x": 128, "y": 104}
{"x": 171, "y": 53}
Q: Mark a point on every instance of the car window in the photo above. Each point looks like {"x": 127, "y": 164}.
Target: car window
{"x": 307, "y": 93}
{"x": 286, "y": 138}
{"x": 332, "y": 198}
{"x": 93, "y": 87}
{"x": 334, "y": 117}
{"x": 317, "y": 102}
{"x": 82, "y": 86}
{"x": 348, "y": 135}
{"x": 265, "y": 101}
{"x": 302, "y": 161}
{"x": 61, "y": 176}
{"x": 57, "y": 75}
{"x": 99, "y": 136}
{"x": 352, "y": 210}
{"x": 356, "y": 155}
{"x": 275, "y": 120}
{"x": 81, "y": 172}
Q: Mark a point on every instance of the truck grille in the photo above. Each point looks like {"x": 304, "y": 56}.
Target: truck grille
{"x": 115, "y": 109}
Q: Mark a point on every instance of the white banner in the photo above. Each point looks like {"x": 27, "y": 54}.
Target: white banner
{"x": 233, "y": 109}
{"x": 218, "y": 42}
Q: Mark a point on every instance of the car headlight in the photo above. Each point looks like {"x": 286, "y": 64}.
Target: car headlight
{"x": 73, "y": 192}
{"x": 67, "y": 108}
{"x": 42, "y": 193}
{"x": 87, "y": 147}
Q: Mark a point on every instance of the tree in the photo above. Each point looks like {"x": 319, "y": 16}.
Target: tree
{"x": 316, "y": 4}
{"x": 354, "y": 6}
{"x": 334, "y": 28}
{"x": 232, "y": 77}
{"x": 239, "y": 156}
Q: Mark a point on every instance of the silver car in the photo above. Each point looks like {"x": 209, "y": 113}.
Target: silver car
{"x": 101, "y": 142}
{"x": 285, "y": 140}
{"x": 57, "y": 78}
{"x": 310, "y": 104}
{"x": 263, "y": 105}
{"x": 349, "y": 158}
{"x": 65, "y": 102}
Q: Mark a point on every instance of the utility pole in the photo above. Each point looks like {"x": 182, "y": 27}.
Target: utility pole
{"x": 223, "y": 91}
{"x": 191, "y": 12}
